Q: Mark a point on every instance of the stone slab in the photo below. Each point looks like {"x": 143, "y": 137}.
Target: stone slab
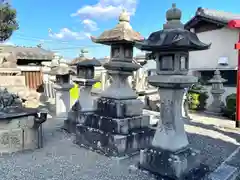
{"x": 184, "y": 164}
{"x": 17, "y": 113}
{"x": 112, "y": 144}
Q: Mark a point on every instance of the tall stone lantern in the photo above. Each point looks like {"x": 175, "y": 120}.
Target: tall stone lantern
{"x": 169, "y": 154}
{"x": 62, "y": 87}
{"x": 217, "y": 92}
{"x": 118, "y": 127}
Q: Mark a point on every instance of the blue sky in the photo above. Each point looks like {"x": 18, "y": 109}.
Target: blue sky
{"x": 65, "y": 26}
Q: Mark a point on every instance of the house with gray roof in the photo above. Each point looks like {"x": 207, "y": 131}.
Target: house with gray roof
{"x": 211, "y": 27}
{"x": 26, "y": 55}
{"x": 24, "y": 60}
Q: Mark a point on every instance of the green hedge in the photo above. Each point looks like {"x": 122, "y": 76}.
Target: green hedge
{"x": 197, "y": 97}
{"x": 230, "y": 110}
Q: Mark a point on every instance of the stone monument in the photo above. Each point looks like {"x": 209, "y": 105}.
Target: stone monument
{"x": 217, "y": 92}
{"x": 84, "y": 106}
{"x": 62, "y": 87}
{"x": 118, "y": 126}
{"x": 170, "y": 154}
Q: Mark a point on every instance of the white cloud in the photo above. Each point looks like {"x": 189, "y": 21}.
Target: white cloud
{"x": 67, "y": 34}
{"x": 88, "y": 35}
{"x": 90, "y": 24}
{"x": 106, "y": 9}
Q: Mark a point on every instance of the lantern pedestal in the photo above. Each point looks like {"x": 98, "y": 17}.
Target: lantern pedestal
{"x": 83, "y": 107}
{"x": 217, "y": 105}
{"x": 62, "y": 100}
{"x": 183, "y": 164}
{"x": 170, "y": 154}
{"x": 118, "y": 127}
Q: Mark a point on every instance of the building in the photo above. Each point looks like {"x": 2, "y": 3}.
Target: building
{"x": 27, "y": 60}
{"x": 211, "y": 27}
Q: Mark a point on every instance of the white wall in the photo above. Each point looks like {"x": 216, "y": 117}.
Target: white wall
{"x": 223, "y": 41}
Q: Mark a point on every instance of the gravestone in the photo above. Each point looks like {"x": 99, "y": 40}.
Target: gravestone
{"x": 170, "y": 154}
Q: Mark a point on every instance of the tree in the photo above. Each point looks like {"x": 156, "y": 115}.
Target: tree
{"x": 8, "y": 22}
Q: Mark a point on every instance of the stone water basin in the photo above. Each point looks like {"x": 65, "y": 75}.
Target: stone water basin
{"x": 20, "y": 129}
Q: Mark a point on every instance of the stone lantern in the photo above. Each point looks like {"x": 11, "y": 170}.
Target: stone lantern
{"x": 169, "y": 154}
{"x": 217, "y": 92}
{"x": 118, "y": 127}
{"x": 62, "y": 87}
{"x": 84, "y": 107}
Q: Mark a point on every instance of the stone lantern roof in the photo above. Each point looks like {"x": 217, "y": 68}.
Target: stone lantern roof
{"x": 123, "y": 32}
{"x": 62, "y": 70}
{"x": 173, "y": 37}
{"x": 89, "y": 63}
{"x": 217, "y": 78}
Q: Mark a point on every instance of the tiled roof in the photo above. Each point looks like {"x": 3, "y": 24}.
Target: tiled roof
{"x": 34, "y": 53}
{"x": 217, "y": 16}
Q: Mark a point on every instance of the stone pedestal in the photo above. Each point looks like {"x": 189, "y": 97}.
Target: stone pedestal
{"x": 62, "y": 100}
{"x": 118, "y": 127}
{"x": 217, "y": 91}
{"x": 185, "y": 164}
{"x": 82, "y": 107}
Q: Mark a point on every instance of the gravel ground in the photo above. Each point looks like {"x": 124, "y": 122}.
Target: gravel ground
{"x": 60, "y": 159}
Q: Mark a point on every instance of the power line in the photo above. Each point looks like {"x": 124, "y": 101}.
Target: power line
{"x": 48, "y": 41}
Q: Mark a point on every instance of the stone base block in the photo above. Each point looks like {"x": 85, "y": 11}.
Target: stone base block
{"x": 115, "y": 125}
{"x": 78, "y": 117}
{"x": 184, "y": 164}
{"x": 15, "y": 140}
{"x": 112, "y": 144}
{"x": 69, "y": 126}
{"x": 119, "y": 108}
{"x": 214, "y": 113}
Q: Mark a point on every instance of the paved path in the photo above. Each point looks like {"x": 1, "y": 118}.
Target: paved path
{"x": 60, "y": 159}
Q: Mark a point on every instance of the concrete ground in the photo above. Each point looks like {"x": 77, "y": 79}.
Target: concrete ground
{"x": 60, "y": 159}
